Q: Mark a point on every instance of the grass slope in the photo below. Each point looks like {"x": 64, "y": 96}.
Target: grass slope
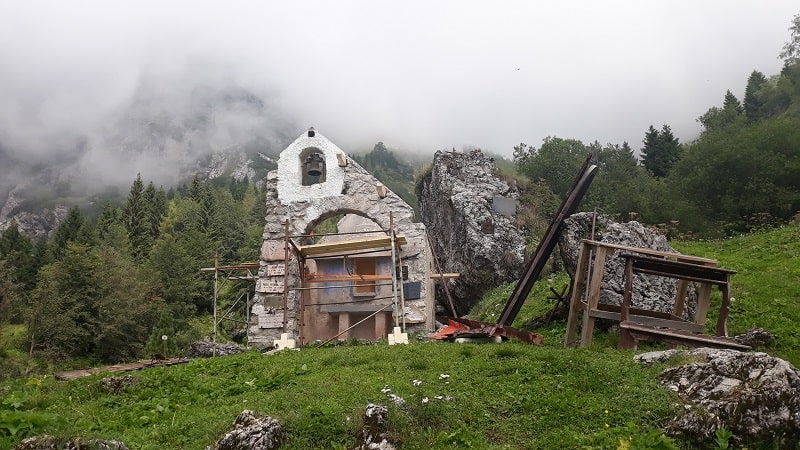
{"x": 766, "y": 287}
{"x": 503, "y": 396}
{"x": 513, "y": 396}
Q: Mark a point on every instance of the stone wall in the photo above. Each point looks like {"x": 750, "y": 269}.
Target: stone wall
{"x": 347, "y": 189}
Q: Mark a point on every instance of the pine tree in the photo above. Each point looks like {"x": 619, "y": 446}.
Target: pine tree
{"x": 68, "y": 231}
{"x": 137, "y": 220}
{"x": 661, "y": 150}
{"x": 732, "y": 103}
{"x": 753, "y": 104}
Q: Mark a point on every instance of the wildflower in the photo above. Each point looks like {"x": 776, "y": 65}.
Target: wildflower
{"x": 444, "y": 376}
{"x": 607, "y": 425}
{"x": 386, "y": 389}
{"x": 416, "y": 382}
{"x": 425, "y": 400}
{"x": 397, "y": 400}
{"x": 606, "y": 411}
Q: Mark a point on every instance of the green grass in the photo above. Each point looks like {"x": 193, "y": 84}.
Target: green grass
{"x": 504, "y": 396}
{"x": 512, "y": 396}
{"x": 766, "y": 287}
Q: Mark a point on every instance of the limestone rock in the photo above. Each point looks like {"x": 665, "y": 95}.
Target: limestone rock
{"x": 118, "y": 385}
{"x": 650, "y": 292}
{"x": 253, "y": 433}
{"x": 753, "y": 395}
{"x": 756, "y": 338}
{"x": 46, "y": 442}
{"x": 374, "y": 436}
{"x": 467, "y": 232}
{"x": 205, "y": 349}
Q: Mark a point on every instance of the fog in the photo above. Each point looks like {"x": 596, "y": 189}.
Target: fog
{"x": 88, "y": 77}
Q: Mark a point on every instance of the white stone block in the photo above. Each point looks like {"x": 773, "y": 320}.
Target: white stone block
{"x": 398, "y": 337}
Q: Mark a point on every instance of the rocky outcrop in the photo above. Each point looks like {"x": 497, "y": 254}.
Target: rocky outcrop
{"x": 207, "y": 349}
{"x": 251, "y": 432}
{"x": 374, "y": 435}
{"x": 38, "y": 224}
{"x": 651, "y": 292}
{"x": 118, "y": 385}
{"x": 469, "y": 215}
{"x": 757, "y": 338}
{"x": 47, "y": 442}
{"x": 753, "y": 395}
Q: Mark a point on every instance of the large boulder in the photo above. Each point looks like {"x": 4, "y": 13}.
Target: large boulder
{"x": 469, "y": 215}
{"x": 251, "y": 432}
{"x": 753, "y": 395}
{"x": 651, "y": 292}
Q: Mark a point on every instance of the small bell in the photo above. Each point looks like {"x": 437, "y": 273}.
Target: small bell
{"x": 314, "y": 165}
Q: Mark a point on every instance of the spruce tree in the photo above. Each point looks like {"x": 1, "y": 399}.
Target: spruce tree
{"x": 732, "y": 103}
{"x": 137, "y": 220}
{"x": 661, "y": 150}
{"x": 753, "y": 103}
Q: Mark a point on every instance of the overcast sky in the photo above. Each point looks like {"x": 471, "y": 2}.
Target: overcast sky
{"x": 419, "y": 75}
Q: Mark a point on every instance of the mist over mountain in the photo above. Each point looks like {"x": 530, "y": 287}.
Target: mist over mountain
{"x": 168, "y": 128}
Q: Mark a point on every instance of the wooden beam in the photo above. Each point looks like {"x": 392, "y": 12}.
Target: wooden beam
{"x": 444, "y": 276}
{"x": 322, "y": 278}
{"x": 349, "y": 246}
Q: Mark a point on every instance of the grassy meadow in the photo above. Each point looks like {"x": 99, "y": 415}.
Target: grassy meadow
{"x": 491, "y": 396}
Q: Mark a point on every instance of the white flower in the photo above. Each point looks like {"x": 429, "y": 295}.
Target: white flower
{"x": 386, "y": 389}
{"x": 444, "y": 376}
{"x": 396, "y": 399}
{"x": 416, "y": 382}
{"x": 425, "y": 400}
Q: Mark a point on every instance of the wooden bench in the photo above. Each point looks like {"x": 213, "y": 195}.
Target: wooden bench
{"x": 633, "y": 329}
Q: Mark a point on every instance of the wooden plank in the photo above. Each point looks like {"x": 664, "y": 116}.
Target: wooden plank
{"x": 350, "y": 246}
{"x": 649, "y": 320}
{"x": 446, "y": 276}
{"x": 332, "y": 309}
{"x": 548, "y": 242}
{"x": 322, "y": 278}
{"x": 117, "y": 368}
{"x": 647, "y": 251}
{"x": 643, "y": 332}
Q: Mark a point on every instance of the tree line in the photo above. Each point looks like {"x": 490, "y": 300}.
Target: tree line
{"x": 740, "y": 174}
{"x": 108, "y": 289}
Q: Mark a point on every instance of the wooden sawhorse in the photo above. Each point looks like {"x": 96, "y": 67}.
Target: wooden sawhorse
{"x": 632, "y": 331}
{"x": 588, "y": 279}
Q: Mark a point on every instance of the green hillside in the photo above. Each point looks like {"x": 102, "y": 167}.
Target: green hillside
{"x": 497, "y": 396}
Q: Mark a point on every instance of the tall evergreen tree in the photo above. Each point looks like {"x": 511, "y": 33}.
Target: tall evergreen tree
{"x": 661, "y": 150}
{"x": 753, "y": 104}
{"x": 156, "y": 200}
{"x": 732, "y": 103}
{"x": 16, "y": 249}
{"x": 68, "y": 231}
{"x": 136, "y": 216}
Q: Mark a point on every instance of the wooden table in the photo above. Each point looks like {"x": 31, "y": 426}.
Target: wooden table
{"x": 588, "y": 279}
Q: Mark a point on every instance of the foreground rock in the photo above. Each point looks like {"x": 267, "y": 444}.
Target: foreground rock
{"x": 753, "y": 395}
{"x": 469, "y": 215}
{"x": 47, "y": 442}
{"x": 757, "y": 338}
{"x": 374, "y": 435}
{"x": 207, "y": 349}
{"x": 652, "y": 293}
{"x": 252, "y": 433}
